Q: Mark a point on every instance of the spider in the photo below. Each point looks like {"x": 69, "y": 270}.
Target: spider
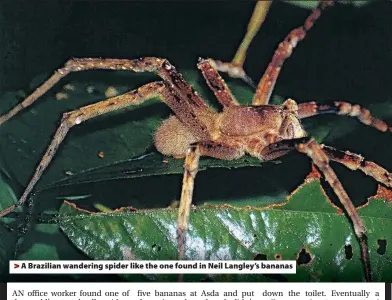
{"x": 235, "y": 68}
{"x": 261, "y": 130}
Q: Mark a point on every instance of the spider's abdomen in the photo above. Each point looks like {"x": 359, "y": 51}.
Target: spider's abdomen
{"x": 172, "y": 138}
{"x": 248, "y": 120}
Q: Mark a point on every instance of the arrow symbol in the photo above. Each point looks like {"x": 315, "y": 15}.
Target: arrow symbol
{"x": 16, "y": 266}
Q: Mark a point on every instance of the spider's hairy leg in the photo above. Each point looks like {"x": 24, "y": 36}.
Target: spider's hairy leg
{"x": 350, "y": 160}
{"x": 208, "y": 148}
{"x": 309, "y": 109}
{"x": 319, "y": 158}
{"x": 216, "y": 83}
{"x": 78, "y": 116}
{"x": 355, "y": 161}
{"x": 160, "y": 66}
{"x": 285, "y": 48}
{"x": 34, "y": 96}
{"x": 235, "y": 68}
{"x": 191, "y": 166}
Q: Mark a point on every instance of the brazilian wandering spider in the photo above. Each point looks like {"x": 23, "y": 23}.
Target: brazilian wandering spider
{"x": 261, "y": 130}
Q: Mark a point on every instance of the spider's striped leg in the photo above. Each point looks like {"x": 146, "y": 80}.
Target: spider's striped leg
{"x": 309, "y": 109}
{"x": 350, "y": 160}
{"x": 135, "y": 97}
{"x": 208, "y": 148}
{"x": 216, "y": 83}
{"x": 160, "y": 66}
{"x": 319, "y": 157}
{"x": 355, "y": 161}
{"x": 285, "y": 48}
{"x": 235, "y": 68}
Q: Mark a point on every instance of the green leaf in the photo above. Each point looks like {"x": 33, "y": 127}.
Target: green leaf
{"x": 307, "y": 223}
{"x": 151, "y": 164}
{"x": 45, "y": 241}
{"x": 7, "y": 195}
{"x": 7, "y": 235}
{"x": 7, "y": 240}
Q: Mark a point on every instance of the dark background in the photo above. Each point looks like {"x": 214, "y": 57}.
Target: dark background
{"x": 346, "y": 56}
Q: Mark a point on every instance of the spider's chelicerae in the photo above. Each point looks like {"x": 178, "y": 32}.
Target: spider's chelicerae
{"x": 260, "y": 130}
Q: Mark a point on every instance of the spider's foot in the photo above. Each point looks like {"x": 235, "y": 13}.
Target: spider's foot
{"x": 233, "y": 70}
{"x": 181, "y": 239}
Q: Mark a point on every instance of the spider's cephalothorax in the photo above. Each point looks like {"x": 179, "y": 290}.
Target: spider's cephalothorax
{"x": 249, "y": 129}
{"x": 261, "y": 130}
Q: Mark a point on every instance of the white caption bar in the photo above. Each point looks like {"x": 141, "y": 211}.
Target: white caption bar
{"x": 195, "y": 291}
{"x": 152, "y": 267}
